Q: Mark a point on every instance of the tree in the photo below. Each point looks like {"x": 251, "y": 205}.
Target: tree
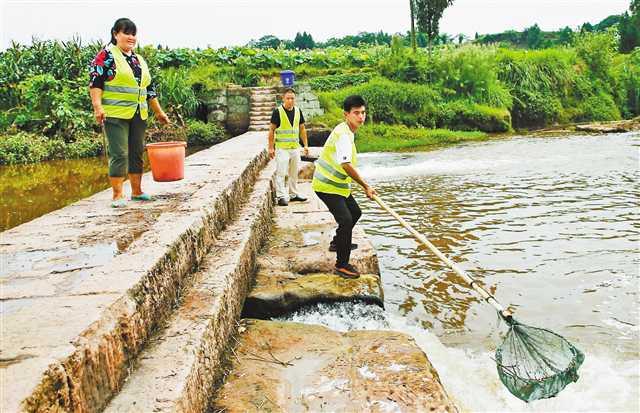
{"x": 413, "y": 24}
{"x": 266, "y": 42}
{"x": 533, "y": 37}
{"x": 587, "y": 27}
{"x": 629, "y": 28}
{"x": 303, "y": 41}
{"x": 565, "y": 35}
{"x": 428, "y": 14}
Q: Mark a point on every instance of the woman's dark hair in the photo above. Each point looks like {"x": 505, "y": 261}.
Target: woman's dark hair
{"x": 353, "y": 101}
{"x": 123, "y": 25}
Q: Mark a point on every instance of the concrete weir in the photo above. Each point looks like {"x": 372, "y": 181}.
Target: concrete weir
{"x": 139, "y": 309}
{"x": 85, "y": 287}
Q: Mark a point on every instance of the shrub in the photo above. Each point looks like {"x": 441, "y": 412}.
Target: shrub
{"x": 415, "y": 105}
{"x": 332, "y": 111}
{"x": 597, "y": 49}
{"x": 463, "y": 115}
{"x": 539, "y": 81}
{"x": 626, "y": 72}
{"x": 470, "y": 73}
{"x": 598, "y": 107}
{"x": 392, "y": 102}
{"x": 200, "y": 133}
{"x": 176, "y": 92}
{"x": 206, "y": 80}
{"x": 22, "y": 148}
{"x": 85, "y": 146}
{"x": 334, "y": 82}
{"x": 404, "y": 65}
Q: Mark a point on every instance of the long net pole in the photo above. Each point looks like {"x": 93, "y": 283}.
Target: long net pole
{"x": 489, "y": 298}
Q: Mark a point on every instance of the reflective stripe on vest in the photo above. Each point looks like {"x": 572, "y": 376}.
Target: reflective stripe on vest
{"x": 287, "y": 135}
{"x": 329, "y": 176}
{"x": 331, "y": 169}
{"x": 317, "y": 175}
{"x": 122, "y": 95}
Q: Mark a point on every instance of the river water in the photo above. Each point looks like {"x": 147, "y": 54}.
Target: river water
{"x": 548, "y": 225}
{"x": 29, "y": 191}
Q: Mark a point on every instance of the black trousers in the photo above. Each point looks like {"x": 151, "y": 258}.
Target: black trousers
{"x": 346, "y": 213}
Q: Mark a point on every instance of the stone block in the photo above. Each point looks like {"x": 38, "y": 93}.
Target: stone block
{"x": 293, "y": 367}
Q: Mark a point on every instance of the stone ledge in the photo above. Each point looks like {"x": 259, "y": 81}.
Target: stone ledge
{"x": 279, "y": 294}
{"x": 180, "y": 369}
{"x": 85, "y": 286}
{"x": 296, "y": 267}
{"x": 282, "y": 366}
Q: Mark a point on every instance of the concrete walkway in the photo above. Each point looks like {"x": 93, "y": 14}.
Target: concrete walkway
{"x": 137, "y": 309}
{"x": 83, "y": 288}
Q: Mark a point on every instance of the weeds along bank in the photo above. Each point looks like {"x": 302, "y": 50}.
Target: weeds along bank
{"x": 45, "y": 111}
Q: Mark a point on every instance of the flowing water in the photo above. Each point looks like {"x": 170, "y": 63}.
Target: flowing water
{"x": 548, "y": 225}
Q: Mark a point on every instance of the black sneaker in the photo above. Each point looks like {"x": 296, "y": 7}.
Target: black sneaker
{"x": 333, "y": 248}
{"x": 347, "y": 271}
{"x": 282, "y": 202}
{"x": 298, "y": 198}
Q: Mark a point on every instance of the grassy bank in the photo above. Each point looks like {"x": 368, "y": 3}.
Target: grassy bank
{"x": 399, "y": 138}
{"x": 27, "y": 147}
{"x": 45, "y": 112}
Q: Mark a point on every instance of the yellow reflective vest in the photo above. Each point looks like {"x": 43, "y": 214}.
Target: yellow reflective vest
{"x": 329, "y": 176}
{"x": 287, "y": 135}
{"x": 122, "y": 95}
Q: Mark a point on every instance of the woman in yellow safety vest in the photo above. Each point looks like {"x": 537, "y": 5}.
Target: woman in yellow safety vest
{"x": 121, "y": 94}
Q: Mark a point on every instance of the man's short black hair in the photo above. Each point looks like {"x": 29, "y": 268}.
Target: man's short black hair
{"x": 353, "y": 101}
{"x": 288, "y": 90}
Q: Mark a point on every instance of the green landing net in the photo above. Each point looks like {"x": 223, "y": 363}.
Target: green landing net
{"x": 534, "y": 363}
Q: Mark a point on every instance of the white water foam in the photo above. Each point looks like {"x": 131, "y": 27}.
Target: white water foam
{"x": 434, "y": 167}
{"x": 470, "y": 378}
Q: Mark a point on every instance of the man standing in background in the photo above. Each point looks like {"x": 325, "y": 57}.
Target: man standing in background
{"x": 287, "y": 127}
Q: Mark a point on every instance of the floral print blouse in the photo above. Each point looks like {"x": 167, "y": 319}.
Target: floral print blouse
{"x": 103, "y": 68}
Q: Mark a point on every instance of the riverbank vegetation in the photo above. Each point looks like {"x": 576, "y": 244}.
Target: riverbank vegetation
{"x": 478, "y": 86}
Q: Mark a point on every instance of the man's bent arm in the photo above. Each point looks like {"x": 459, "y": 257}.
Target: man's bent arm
{"x": 353, "y": 173}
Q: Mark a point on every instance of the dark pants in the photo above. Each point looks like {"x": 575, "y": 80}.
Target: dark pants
{"x": 346, "y": 213}
{"x": 125, "y": 145}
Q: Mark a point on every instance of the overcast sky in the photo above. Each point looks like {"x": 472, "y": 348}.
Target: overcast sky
{"x": 220, "y": 23}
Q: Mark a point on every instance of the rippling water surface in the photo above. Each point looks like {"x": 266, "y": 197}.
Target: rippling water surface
{"x": 549, "y": 225}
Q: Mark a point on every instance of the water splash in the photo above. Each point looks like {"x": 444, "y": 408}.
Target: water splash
{"x": 470, "y": 377}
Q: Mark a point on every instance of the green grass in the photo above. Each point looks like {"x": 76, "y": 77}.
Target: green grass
{"x": 397, "y": 138}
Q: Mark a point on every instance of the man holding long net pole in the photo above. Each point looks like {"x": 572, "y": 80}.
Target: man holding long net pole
{"x": 334, "y": 171}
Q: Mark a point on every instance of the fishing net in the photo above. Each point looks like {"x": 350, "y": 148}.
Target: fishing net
{"x": 534, "y": 363}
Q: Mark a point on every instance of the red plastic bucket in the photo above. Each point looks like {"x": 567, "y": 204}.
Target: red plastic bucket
{"x": 167, "y": 160}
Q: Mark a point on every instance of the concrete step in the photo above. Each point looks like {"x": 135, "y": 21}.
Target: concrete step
{"x": 264, "y": 112}
{"x": 263, "y": 98}
{"x": 88, "y": 284}
{"x": 179, "y": 370}
{"x": 262, "y": 105}
{"x": 260, "y": 118}
{"x": 263, "y": 92}
{"x": 296, "y": 267}
{"x": 287, "y": 366}
{"x": 293, "y": 367}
